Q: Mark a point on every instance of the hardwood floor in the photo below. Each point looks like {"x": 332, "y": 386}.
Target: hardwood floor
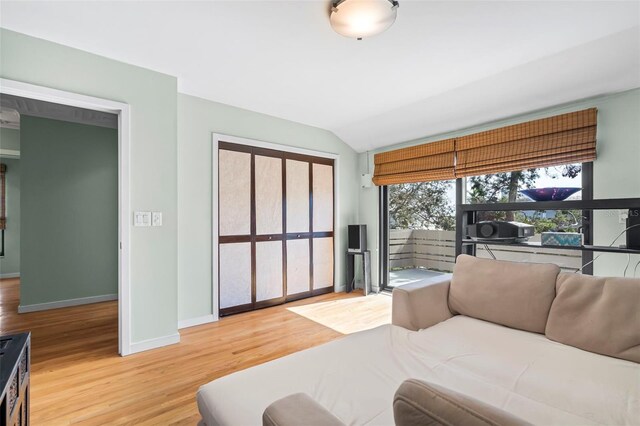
{"x": 77, "y": 376}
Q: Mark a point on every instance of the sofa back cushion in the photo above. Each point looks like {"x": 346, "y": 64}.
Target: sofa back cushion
{"x": 517, "y": 295}
{"x": 597, "y": 314}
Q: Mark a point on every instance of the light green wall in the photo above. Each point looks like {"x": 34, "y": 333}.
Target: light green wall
{"x": 9, "y": 139}
{"x": 615, "y": 173}
{"x": 615, "y": 170}
{"x": 152, "y": 99}
{"x": 10, "y": 263}
{"x": 68, "y": 211}
{"x": 197, "y": 120}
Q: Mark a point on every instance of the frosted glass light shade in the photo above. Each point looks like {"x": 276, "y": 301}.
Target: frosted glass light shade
{"x": 363, "y": 18}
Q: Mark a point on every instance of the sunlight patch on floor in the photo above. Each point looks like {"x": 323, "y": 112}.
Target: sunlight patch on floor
{"x": 414, "y": 275}
{"x": 351, "y": 315}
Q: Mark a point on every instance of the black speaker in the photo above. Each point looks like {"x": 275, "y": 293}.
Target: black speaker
{"x": 357, "y": 238}
{"x": 633, "y": 229}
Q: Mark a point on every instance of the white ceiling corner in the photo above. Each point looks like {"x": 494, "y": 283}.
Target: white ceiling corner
{"x": 443, "y": 65}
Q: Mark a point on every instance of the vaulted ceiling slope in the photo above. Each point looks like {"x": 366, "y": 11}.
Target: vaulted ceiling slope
{"x": 444, "y": 65}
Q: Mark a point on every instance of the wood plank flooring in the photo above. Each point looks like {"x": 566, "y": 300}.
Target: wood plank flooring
{"x": 78, "y": 377}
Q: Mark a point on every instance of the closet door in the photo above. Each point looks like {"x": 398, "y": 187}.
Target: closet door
{"x": 298, "y": 227}
{"x": 322, "y": 226}
{"x": 275, "y": 227}
{"x": 234, "y": 224}
{"x": 269, "y": 239}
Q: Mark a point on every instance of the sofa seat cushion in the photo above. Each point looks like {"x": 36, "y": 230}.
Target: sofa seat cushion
{"x": 355, "y": 378}
{"x": 518, "y": 295}
{"x": 597, "y": 314}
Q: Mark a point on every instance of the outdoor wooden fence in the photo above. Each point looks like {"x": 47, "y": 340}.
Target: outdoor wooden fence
{"x": 432, "y": 249}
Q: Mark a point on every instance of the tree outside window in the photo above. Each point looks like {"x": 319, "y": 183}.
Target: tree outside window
{"x": 424, "y": 205}
{"x": 431, "y": 205}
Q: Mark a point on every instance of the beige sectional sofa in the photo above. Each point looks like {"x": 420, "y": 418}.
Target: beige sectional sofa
{"x": 498, "y": 343}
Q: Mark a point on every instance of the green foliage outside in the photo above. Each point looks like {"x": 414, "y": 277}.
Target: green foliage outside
{"x": 427, "y": 205}
{"x": 423, "y": 205}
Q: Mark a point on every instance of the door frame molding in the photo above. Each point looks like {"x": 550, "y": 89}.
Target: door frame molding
{"x": 220, "y": 137}
{"x": 32, "y": 91}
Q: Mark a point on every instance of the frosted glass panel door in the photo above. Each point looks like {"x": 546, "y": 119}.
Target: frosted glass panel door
{"x": 297, "y": 196}
{"x": 269, "y": 270}
{"x": 322, "y": 226}
{"x": 268, "y": 195}
{"x": 322, "y": 262}
{"x": 235, "y": 274}
{"x": 234, "y": 222}
{"x": 234, "y": 180}
{"x": 322, "y": 198}
{"x": 269, "y": 216}
{"x": 298, "y": 280}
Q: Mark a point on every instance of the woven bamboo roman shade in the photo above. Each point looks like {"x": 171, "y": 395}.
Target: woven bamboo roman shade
{"x": 421, "y": 163}
{"x": 562, "y": 139}
{"x": 3, "y": 197}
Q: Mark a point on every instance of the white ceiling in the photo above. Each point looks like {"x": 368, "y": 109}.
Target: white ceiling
{"x": 444, "y": 65}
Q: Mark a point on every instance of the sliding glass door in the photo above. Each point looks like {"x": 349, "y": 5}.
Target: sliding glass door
{"x": 418, "y": 221}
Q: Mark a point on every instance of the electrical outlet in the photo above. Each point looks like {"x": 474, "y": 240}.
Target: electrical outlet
{"x": 365, "y": 181}
{"x": 141, "y": 218}
{"x": 156, "y": 219}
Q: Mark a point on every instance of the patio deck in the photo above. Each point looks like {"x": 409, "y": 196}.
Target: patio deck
{"x": 402, "y": 277}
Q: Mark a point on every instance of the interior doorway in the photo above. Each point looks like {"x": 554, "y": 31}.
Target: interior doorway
{"x": 73, "y": 159}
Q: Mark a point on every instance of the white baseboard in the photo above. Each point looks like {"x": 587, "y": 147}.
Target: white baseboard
{"x": 11, "y": 275}
{"x": 192, "y": 322}
{"x": 66, "y": 303}
{"x": 158, "y": 342}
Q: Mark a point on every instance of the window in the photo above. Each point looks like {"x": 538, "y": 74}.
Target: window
{"x": 508, "y": 187}
{"x": 419, "y": 223}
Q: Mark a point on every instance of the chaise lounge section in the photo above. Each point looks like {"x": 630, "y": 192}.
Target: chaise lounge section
{"x": 511, "y": 343}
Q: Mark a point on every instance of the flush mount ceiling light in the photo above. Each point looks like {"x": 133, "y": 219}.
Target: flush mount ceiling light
{"x": 362, "y": 18}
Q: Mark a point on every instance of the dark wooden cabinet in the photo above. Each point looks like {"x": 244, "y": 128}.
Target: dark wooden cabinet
{"x": 15, "y": 369}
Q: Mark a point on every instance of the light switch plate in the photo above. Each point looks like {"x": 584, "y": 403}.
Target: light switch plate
{"x": 156, "y": 219}
{"x": 141, "y": 218}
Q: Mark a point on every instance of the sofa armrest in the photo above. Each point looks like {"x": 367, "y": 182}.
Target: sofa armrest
{"x": 297, "y": 409}
{"x": 420, "y": 305}
{"x": 418, "y": 403}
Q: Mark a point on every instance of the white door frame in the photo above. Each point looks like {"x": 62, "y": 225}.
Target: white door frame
{"x": 219, "y": 137}
{"x": 17, "y": 88}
